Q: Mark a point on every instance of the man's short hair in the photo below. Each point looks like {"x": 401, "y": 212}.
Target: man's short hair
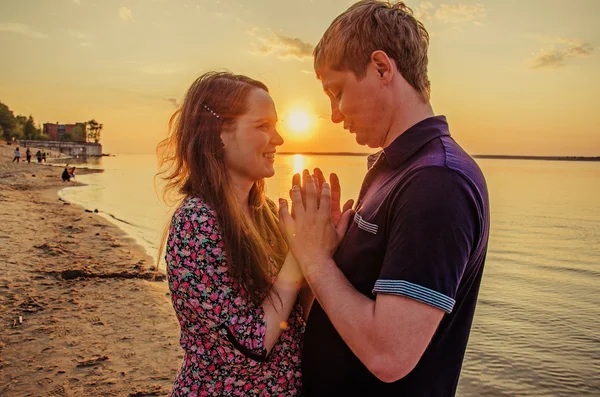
{"x": 371, "y": 25}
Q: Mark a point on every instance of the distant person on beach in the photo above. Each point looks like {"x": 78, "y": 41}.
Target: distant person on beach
{"x": 72, "y": 173}
{"x": 17, "y": 156}
{"x": 38, "y": 154}
{"x": 44, "y": 156}
{"x": 234, "y": 287}
{"x": 66, "y": 175}
{"x": 395, "y": 297}
{"x": 28, "y": 155}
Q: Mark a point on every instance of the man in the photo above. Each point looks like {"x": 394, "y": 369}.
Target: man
{"x": 395, "y": 302}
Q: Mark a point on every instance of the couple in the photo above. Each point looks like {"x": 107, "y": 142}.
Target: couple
{"x": 387, "y": 289}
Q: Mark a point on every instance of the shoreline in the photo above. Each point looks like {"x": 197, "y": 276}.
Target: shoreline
{"x": 80, "y": 314}
{"x": 120, "y": 224}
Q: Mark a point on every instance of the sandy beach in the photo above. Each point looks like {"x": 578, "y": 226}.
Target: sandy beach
{"x": 83, "y": 312}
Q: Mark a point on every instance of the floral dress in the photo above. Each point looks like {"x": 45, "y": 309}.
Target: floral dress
{"x": 222, "y": 331}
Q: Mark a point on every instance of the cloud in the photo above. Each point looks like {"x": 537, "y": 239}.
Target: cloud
{"x": 21, "y": 29}
{"x": 450, "y": 13}
{"x": 224, "y": 15}
{"x": 460, "y": 13}
{"x": 563, "y": 51}
{"x": 125, "y": 13}
{"x": 284, "y": 46}
{"x": 424, "y": 11}
{"x": 78, "y": 35}
{"x": 173, "y": 102}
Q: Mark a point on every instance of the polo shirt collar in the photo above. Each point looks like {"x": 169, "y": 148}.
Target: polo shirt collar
{"x": 411, "y": 140}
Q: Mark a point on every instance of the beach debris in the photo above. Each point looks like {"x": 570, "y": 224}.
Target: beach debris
{"x": 88, "y": 210}
{"x": 91, "y": 362}
{"x": 17, "y": 321}
{"x": 154, "y": 390}
{"x": 72, "y": 274}
{"x": 96, "y": 210}
{"x": 31, "y": 305}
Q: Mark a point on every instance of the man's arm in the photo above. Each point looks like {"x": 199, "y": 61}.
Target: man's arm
{"x": 429, "y": 245}
{"x": 388, "y": 335}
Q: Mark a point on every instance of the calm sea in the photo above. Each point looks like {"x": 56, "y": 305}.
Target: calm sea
{"x": 537, "y": 327}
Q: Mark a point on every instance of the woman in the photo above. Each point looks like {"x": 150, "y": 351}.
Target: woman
{"x": 233, "y": 285}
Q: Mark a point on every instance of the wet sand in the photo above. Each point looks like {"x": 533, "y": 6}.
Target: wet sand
{"x": 83, "y": 313}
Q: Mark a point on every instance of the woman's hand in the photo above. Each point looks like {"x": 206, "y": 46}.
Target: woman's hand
{"x": 336, "y": 193}
{"x": 312, "y": 235}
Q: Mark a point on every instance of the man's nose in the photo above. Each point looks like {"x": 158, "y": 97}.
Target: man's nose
{"x": 336, "y": 115}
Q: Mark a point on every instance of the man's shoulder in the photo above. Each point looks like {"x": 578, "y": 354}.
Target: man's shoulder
{"x": 445, "y": 153}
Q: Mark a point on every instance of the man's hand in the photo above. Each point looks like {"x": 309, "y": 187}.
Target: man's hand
{"x": 312, "y": 235}
{"x": 336, "y": 192}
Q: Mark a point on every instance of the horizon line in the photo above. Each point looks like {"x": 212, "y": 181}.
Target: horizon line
{"x": 482, "y": 156}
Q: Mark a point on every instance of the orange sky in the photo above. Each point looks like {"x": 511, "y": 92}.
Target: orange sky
{"x": 513, "y": 77}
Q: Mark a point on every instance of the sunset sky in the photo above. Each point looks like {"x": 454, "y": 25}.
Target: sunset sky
{"x": 512, "y": 76}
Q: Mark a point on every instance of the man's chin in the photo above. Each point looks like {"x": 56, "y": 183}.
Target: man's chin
{"x": 362, "y": 141}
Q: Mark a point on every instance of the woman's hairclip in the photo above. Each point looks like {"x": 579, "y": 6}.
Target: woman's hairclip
{"x": 211, "y": 111}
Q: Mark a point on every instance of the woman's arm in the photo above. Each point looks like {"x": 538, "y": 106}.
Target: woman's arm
{"x": 281, "y": 299}
{"x": 307, "y": 297}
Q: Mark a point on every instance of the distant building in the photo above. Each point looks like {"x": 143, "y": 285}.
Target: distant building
{"x": 56, "y": 131}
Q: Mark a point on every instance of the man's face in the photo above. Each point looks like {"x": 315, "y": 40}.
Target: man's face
{"x": 362, "y": 105}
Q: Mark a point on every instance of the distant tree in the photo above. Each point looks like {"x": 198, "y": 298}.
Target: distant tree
{"x": 7, "y": 121}
{"x": 19, "y": 129}
{"x": 93, "y": 130}
{"x": 30, "y": 131}
{"x": 67, "y": 137}
{"x": 78, "y": 133}
{"x": 41, "y": 135}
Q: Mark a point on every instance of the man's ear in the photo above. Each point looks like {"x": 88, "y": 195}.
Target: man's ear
{"x": 384, "y": 65}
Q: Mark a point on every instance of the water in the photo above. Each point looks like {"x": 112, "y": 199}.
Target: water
{"x": 535, "y": 331}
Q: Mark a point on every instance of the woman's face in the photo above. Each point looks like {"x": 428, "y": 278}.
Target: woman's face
{"x": 250, "y": 146}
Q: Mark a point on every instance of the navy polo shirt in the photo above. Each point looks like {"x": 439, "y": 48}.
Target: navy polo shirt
{"x": 420, "y": 231}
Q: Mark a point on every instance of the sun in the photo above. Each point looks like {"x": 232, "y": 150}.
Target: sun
{"x": 299, "y": 121}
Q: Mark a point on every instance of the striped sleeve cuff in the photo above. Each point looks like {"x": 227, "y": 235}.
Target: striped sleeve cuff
{"x": 416, "y": 292}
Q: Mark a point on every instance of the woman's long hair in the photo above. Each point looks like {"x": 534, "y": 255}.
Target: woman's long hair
{"x": 192, "y": 162}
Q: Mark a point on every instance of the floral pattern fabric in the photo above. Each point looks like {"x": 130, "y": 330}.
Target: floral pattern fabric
{"x": 222, "y": 331}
